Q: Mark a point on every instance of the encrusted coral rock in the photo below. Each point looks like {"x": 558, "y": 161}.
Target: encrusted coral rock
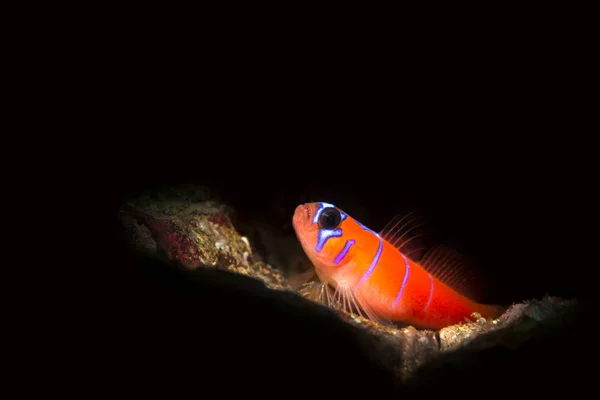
{"x": 194, "y": 233}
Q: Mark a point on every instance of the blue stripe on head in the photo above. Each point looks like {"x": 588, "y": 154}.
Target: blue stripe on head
{"x": 317, "y": 213}
{"x": 344, "y": 251}
{"x": 365, "y": 228}
{"x": 323, "y": 206}
{"x": 324, "y": 235}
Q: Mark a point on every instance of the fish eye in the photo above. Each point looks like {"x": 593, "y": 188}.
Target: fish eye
{"x": 330, "y": 218}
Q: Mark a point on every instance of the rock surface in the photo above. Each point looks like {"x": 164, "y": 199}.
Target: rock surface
{"x": 183, "y": 226}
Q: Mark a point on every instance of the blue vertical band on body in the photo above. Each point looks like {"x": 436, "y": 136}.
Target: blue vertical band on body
{"x": 344, "y": 251}
{"x": 399, "y": 296}
{"x": 430, "y": 292}
{"x": 373, "y": 263}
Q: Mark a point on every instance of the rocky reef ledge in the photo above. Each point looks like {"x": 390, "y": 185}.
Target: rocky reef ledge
{"x": 190, "y": 242}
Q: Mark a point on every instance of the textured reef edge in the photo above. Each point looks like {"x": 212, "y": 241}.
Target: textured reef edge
{"x": 195, "y": 232}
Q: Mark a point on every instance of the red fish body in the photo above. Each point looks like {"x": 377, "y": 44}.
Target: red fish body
{"x": 370, "y": 271}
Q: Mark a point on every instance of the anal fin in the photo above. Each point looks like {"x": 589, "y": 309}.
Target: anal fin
{"x": 454, "y": 270}
{"x": 405, "y": 232}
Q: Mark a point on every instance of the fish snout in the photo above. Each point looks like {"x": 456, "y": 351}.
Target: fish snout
{"x": 301, "y": 216}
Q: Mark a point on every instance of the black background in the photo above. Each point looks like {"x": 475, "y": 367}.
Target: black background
{"x": 497, "y": 185}
{"x": 483, "y": 137}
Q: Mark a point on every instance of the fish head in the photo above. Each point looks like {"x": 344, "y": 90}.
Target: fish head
{"x": 320, "y": 229}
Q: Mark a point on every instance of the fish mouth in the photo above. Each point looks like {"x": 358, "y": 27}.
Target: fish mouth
{"x": 304, "y": 227}
{"x": 302, "y": 217}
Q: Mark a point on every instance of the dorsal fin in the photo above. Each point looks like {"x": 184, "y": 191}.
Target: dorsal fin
{"x": 405, "y": 232}
{"x": 451, "y": 268}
